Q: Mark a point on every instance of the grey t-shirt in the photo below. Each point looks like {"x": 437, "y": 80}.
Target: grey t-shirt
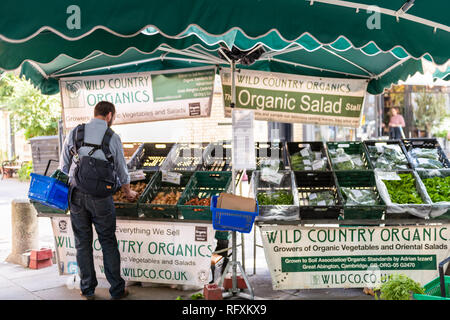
{"x": 93, "y": 134}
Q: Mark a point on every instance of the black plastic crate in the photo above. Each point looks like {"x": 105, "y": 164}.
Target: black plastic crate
{"x": 149, "y": 156}
{"x": 372, "y": 143}
{"x": 361, "y": 180}
{"x": 185, "y": 157}
{"x": 350, "y": 148}
{"x": 130, "y": 209}
{"x": 316, "y": 146}
{"x": 309, "y": 182}
{"x": 430, "y": 143}
{"x": 154, "y": 187}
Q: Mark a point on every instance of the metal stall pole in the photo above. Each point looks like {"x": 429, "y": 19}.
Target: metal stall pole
{"x": 234, "y": 264}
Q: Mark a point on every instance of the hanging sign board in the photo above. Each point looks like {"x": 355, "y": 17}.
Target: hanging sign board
{"x": 347, "y": 257}
{"x": 292, "y": 98}
{"x": 140, "y": 97}
{"x": 150, "y": 251}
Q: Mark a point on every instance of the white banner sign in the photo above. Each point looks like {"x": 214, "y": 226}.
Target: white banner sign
{"x": 150, "y": 251}
{"x": 285, "y": 97}
{"x": 140, "y": 97}
{"x": 319, "y": 257}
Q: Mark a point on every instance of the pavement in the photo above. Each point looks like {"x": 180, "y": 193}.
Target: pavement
{"x": 19, "y": 283}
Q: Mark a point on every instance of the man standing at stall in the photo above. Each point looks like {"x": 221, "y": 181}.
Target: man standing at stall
{"x": 93, "y": 158}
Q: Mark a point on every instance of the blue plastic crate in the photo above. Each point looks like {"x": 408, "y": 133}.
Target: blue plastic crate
{"x": 48, "y": 191}
{"x": 232, "y": 220}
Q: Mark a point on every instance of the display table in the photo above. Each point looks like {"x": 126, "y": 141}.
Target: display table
{"x": 309, "y": 254}
{"x": 169, "y": 251}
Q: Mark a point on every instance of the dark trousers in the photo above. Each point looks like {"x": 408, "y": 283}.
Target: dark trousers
{"x": 86, "y": 210}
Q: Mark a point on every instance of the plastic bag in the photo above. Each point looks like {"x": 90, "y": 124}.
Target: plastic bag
{"x": 388, "y": 157}
{"x": 321, "y": 198}
{"x": 276, "y": 202}
{"x": 355, "y": 197}
{"x": 426, "y": 158}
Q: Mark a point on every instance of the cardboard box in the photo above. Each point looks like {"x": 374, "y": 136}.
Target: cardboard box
{"x": 233, "y": 202}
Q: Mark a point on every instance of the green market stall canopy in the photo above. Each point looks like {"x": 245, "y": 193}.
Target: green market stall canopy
{"x": 328, "y": 38}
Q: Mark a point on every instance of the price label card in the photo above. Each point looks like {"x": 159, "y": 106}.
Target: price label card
{"x": 306, "y": 161}
{"x": 171, "y": 177}
{"x": 343, "y": 145}
{"x": 318, "y": 164}
{"x": 357, "y": 161}
{"x": 380, "y": 146}
{"x": 318, "y": 155}
{"x": 322, "y": 203}
{"x": 312, "y": 196}
{"x": 305, "y": 152}
{"x": 388, "y": 175}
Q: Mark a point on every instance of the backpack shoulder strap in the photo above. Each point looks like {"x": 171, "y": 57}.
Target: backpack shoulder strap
{"x": 77, "y": 139}
{"x": 105, "y": 144}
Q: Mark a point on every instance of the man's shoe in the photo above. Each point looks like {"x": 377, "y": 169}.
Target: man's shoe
{"x": 123, "y": 295}
{"x": 87, "y": 297}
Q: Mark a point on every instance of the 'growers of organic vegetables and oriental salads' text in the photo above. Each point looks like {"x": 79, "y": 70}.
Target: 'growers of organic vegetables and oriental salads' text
{"x": 403, "y": 191}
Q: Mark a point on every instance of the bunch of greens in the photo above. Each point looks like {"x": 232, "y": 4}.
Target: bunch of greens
{"x": 399, "y": 287}
{"x": 388, "y": 157}
{"x": 354, "y": 197}
{"x": 306, "y": 159}
{"x": 281, "y": 197}
{"x": 404, "y": 190}
{"x": 426, "y": 158}
{"x": 344, "y": 161}
{"x": 321, "y": 198}
{"x": 438, "y": 188}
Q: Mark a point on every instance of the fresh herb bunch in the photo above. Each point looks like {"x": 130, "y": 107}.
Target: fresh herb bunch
{"x": 399, "y": 287}
{"x": 403, "y": 191}
{"x": 438, "y": 188}
{"x": 354, "y": 197}
{"x": 343, "y": 161}
{"x": 388, "y": 157}
{"x": 277, "y": 198}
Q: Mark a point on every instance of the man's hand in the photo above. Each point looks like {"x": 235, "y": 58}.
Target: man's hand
{"x": 130, "y": 194}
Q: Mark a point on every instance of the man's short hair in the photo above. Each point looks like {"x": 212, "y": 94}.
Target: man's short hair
{"x": 103, "y": 108}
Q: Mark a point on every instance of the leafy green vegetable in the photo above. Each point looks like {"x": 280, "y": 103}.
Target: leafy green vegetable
{"x": 321, "y": 198}
{"x": 399, "y": 287}
{"x": 197, "y": 296}
{"x": 275, "y": 198}
{"x": 388, "y": 157}
{"x": 344, "y": 161}
{"x": 426, "y": 158}
{"x": 354, "y": 197}
{"x": 403, "y": 191}
{"x": 438, "y": 188}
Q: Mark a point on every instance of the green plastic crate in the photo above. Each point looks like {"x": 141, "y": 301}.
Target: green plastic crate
{"x": 433, "y": 290}
{"x": 130, "y": 209}
{"x": 203, "y": 184}
{"x": 155, "y": 186}
{"x": 350, "y": 147}
{"x": 362, "y": 180}
{"x": 42, "y": 209}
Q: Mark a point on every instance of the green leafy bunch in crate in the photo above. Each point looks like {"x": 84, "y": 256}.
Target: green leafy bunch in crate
{"x": 398, "y": 287}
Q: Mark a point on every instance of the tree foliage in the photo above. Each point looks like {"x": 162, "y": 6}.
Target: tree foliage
{"x": 431, "y": 110}
{"x": 35, "y": 113}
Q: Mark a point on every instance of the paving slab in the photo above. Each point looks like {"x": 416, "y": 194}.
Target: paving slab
{"x": 17, "y": 293}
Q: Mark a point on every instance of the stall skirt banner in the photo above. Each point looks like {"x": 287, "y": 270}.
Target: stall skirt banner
{"x": 140, "y": 97}
{"x": 159, "y": 252}
{"x": 284, "y": 97}
{"x": 347, "y": 257}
